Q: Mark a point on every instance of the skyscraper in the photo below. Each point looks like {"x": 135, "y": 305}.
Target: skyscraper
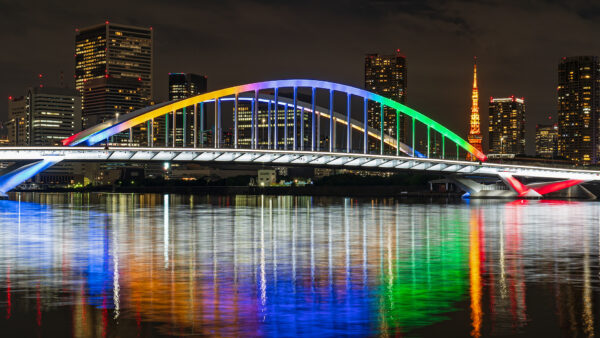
{"x": 474, "y": 137}
{"x": 546, "y": 140}
{"x": 181, "y": 86}
{"x": 579, "y": 108}
{"x": 116, "y": 51}
{"x": 386, "y": 75}
{"x": 507, "y": 125}
{"x": 113, "y": 73}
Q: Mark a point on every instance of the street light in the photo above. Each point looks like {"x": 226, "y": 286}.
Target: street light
{"x": 502, "y": 148}
{"x": 502, "y": 144}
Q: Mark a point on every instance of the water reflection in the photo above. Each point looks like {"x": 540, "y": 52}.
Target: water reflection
{"x": 128, "y": 264}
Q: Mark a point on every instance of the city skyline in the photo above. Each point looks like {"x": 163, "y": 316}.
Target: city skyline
{"x": 426, "y": 32}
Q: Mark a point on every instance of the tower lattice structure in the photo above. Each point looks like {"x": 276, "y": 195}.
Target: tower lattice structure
{"x": 474, "y": 137}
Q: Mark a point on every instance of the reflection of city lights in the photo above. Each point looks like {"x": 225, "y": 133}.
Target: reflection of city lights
{"x": 276, "y": 266}
{"x": 475, "y": 277}
{"x": 166, "y": 230}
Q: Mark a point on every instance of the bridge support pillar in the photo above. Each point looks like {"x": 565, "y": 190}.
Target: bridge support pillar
{"x": 443, "y": 147}
{"x": 365, "y": 127}
{"x": 301, "y": 128}
{"x": 152, "y": 133}
{"x": 195, "y": 137}
{"x": 202, "y": 117}
{"x": 269, "y": 125}
{"x": 166, "y": 130}
{"x": 218, "y": 130}
{"x": 397, "y": 133}
{"x": 276, "y": 118}
{"x": 331, "y": 145}
{"x": 348, "y": 123}
{"x": 174, "y": 131}
{"x": 428, "y": 142}
{"x": 413, "y": 137}
{"x": 256, "y": 120}
{"x": 285, "y": 126}
{"x": 381, "y": 128}
{"x": 235, "y": 121}
{"x": 313, "y": 131}
{"x": 295, "y": 129}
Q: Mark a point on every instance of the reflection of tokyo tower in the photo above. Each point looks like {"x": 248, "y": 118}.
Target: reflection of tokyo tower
{"x": 475, "y": 131}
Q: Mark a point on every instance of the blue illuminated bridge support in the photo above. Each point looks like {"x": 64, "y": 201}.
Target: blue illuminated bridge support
{"x": 281, "y": 115}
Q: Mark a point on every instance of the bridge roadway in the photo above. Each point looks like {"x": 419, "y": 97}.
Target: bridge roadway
{"x": 291, "y": 158}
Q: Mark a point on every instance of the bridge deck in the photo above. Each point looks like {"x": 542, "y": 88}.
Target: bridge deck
{"x": 282, "y": 157}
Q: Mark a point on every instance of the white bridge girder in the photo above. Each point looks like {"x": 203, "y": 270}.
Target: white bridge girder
{"x": 282, "y": 157}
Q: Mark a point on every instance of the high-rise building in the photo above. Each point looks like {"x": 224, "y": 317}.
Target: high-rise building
{"x": 17, "y": 124}
{"x": 117, "y": 51}
{"x": 507, "y": 125}
{"x": 181, "y": 86}
{"x": 184, "y": 85}
{"x": 3, "y": 136}
{"x": 44, "y": 116}
{"x": 113, "y": 71}
{"x": 474, "y": 137}
{"x": 546, "y": 140}
{"x": 386, "y": 75}
{"x": 579, "y": 108}
{"x": 109, "y": 98}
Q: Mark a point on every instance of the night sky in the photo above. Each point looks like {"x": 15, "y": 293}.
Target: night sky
{"x": 518, "y": 45}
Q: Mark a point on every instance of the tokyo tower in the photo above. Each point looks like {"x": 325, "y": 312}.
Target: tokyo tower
{"x": 474, "y": 137}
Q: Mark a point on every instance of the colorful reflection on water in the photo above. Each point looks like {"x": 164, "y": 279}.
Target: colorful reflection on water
{"x": 141, "y": 265}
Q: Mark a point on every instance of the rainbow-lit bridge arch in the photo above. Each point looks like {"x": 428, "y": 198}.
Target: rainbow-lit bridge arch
{"x": 107, "y": 129}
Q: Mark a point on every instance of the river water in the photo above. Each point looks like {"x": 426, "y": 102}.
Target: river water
{"x": 128, "y": 265}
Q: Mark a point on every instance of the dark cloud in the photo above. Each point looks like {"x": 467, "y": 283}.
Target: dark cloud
{"x": 518, "y": 44}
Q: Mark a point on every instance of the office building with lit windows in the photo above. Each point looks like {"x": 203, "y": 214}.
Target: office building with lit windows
{"x": 181, "y": 86}
{"x": 17, "y": 124}
{"x": 579, "y": 109}
{"x": 109, "y": 98}
{"x": 43, "y": 116}
{"x": 113, "y": 72}
{"x": 546, "y": 140}
{"x": 117, "y": 51}
{"x": 507, "y": 125}
{"x": 386, "y": 75}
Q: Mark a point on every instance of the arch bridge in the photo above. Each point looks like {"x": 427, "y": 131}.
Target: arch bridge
{"x": 278, "y": 120}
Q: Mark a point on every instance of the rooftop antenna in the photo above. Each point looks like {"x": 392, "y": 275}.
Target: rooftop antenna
{"x": 62, "y": 79}
{"x": 41, "y": 77}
